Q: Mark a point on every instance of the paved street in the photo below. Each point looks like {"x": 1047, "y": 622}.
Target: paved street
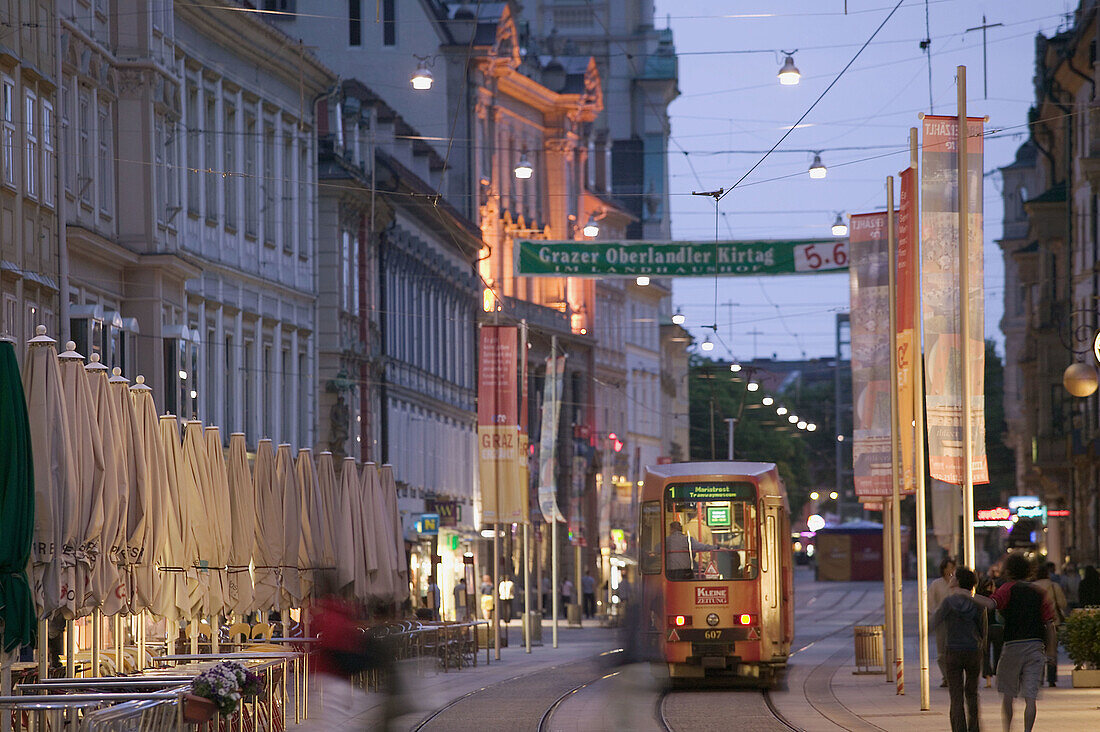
{"x": 576, "y": 689}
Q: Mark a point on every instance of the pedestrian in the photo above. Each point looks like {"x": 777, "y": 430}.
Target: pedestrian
{"x": 1056, "y": 597}
{"x": 1071, "y": 582}
{"x": 461, "y": 600}
{"x": 938, "y": 591}
{"x": 433, "y": 598}
{"x": 566, "y": 594}
{"x": 962, "y": 616}
{"x": 1088, "y": 592}
{"x": 1029, "y": 639}
{"x": 507, "y": 594}
{"x": 486, "y": 592}
{"x": 545, "y": 596}
{"x": 588, "y": 590}
{"x": 995, "y": 633}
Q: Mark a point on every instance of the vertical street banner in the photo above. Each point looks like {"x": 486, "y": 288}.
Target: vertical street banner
{"x": 548, "y": 443}
{"x": 869, "y": 275}
{"x": 503, "y": 497}
{"x": 943, "y": 342}
{"x": 905, "y": 279}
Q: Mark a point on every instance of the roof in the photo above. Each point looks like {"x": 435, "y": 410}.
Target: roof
{"x": 691, "y": 470}
{"x": 1025, "y": 156}
{"x": 1055, "y": 194}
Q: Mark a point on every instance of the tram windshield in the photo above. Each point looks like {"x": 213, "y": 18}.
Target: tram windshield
{"x": 710, "y": 531}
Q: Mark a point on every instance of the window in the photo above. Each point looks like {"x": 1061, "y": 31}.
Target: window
{"x": 230, "y": 388}
{"x": 269, "y": 184}
{"x": 288, "y": 186}
{"x": 161, "y": 174}
{"x": 288, "y": 395}
{"x": 229, "y": 155}
{"x": 280, "y": 6}
{"x": 305, "y": 242}
{"x": 84, "y": 173}
{"x": 268, "y": 425}
{"x": 8, "y": 120}
{"x": 649, "y": 538}
{"x": 49, "y": 156}
{"x": 389, "y": 23}
{"x": 710, "y": 531}
{"x": 251, "y": 214}
{"x": 248, "y": 365}
{"x": 303, "y": 401}
{"x": 30, "y": 180}
{"x": 66, "y": 128}
{"x": 106, "y": 163}
{"x": 192, "y": 150}
{"x": 172, "y": 172}
{"x": 210, "y": 158}
{"x": 355, "y": 23}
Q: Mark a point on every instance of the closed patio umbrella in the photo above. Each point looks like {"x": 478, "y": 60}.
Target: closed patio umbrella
{"x": 401, "y": 570}
{"x": 377, "y": 535}
{"x": 242, "y": 508}
{"x": 151, "y": 446}
{"x": 327, "y": 517}
{"x": 268, "y": 553}
{"x": 286, "y": 480}
{"x": 54, "y": 479}
{"x": 16, "y": 507}
{"x": 309, "y": 555}
{"x": 87, "y": 446}
{"x": 108, "y": 589}
{"x": 204, "y": 596}
{"x": 171, "y": 601}
{"x": 220, "y": 513}
{"x": 136, "y": 485}
{"x": 356, "y": 560}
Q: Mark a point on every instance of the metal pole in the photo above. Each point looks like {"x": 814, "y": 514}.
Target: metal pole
{"x": 97, "y": 639}
{"x": 496, "y": 589}
{"x": 555, "y": 595}
{"x": 895, "y": 428}
{"x": 887, "y": 589}
{"x": 964, "y": 325}
{"x": 70, "y": 649}
{"x": 526, "y": 593}
{"x": 918, "y": 462}
{"x": 6, "y": 661}
{"x": 731, "y": 423}
{"x": 43, "y": 650}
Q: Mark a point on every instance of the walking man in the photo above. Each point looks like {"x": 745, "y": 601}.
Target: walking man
{"x": 937, "y": 592}
{"x": 588, "y": 590}
{"x": 1029, "y": 639}
{"x": 460, "y": 599}
{"x": 962, "y": 616}
{"x": 507, "y": 594}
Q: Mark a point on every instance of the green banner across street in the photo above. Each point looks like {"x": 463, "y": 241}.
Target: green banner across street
{"x": 535, "y": 258}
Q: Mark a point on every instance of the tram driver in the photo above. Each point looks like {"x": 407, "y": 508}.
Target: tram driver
{"x": 680, "y": 551}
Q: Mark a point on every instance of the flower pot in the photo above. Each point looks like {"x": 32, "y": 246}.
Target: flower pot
{"x": 198, "y": 708}
{"x": 1086, "y": 678}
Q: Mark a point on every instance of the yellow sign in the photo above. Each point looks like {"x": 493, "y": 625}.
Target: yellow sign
{"x": 500, "y": 461}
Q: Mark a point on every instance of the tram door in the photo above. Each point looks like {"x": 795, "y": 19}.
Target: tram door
{"x": 771, "y": 577}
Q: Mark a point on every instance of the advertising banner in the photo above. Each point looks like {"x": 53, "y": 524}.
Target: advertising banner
{"x": 870, "y": 321}
{"x": 538, "y": 258}
{"x": 548, "y": 443}
{"x": 503, "y": 496}
{"x": 905, "y": 279}
{"x": 943, "y": 344}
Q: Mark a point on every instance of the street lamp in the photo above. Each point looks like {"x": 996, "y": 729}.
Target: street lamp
{"x": 793, "y": 418}
{"x": 735, "y": 367}
{"x": 422, "y": 78}
{"x": 678, "y": 317}
{"x": 839, "y": 227}
{"x": 789, "y": 75}
{"x": 780, "y": 411}
{"x": 767, "y": 401}
{"x": 810, "y": 426}
{"x": 706, "y": 345}
{"x": 592, "y": 228}
{"x": 523, "y": 169}
{"x": 817, "y": 168}
{"x": 643, "y": 281}
{"x": 801, "y": 424}
{"x": 814, "y": 495}
{"x": 834, "y": 495}
{"x": 752, "y": 386}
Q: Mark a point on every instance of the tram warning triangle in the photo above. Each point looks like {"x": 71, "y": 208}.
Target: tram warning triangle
{"x": 673, "y": 636}
{"x": 711, "y": 572}
{"x": 754, "y": 634}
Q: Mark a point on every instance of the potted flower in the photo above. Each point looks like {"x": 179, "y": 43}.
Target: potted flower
{"x": 1080, "y": 634}
{"x": 220, "y": 689}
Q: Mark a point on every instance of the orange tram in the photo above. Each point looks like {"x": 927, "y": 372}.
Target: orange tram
{"x": 716, "y": 569}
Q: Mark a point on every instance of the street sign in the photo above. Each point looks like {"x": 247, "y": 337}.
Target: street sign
{"x": 428, "y": 524}
{"x": 536, "y": 258}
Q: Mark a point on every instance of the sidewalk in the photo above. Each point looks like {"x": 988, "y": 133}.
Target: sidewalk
{"x": 427, "y": 693}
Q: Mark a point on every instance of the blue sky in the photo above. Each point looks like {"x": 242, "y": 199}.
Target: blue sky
{"x": 733, "y": 102}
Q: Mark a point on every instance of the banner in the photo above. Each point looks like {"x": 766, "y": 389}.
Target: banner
{"x": 548, "y": 442}
{"x": 538, "y": 258}
{"x": 503, "y": 495}
{"x": 870, "y": 333}
{"x": 940, "y": 271}
{"x": 905, "y": 314}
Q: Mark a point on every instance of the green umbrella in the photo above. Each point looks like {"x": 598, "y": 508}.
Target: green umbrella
{"x": 16, "y": 507}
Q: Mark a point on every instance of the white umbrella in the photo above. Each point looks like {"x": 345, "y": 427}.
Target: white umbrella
{"x": 268, "y": 554}
{"x": 136, "y": 486}
{"x": 55, "y": 478}
{"x": 309, "y": 558}
{"x": 356, "y": 561}
{"x": 108, "y": 589}
{"x": 286, "y": 480}
{"x": 205, "y": 595}
{"x": 220, "y": 513}
{"x": 179, "y": 548}
{"x": 389, "y": 494}
{"x": 377, "y": 536}
{"x": 327, "y": 515}
{"x": 242, "y": 508}
{"x": 87, "y": 448}
{"x": 151, "y": 446}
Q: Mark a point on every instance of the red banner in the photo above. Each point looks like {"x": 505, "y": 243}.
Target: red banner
{"x": 906, "y": 273}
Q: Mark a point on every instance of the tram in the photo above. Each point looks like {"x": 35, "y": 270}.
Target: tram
{"x": 716, "y": 569}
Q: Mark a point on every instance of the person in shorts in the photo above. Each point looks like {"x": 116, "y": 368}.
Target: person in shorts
{"x": 1028, "y": 639}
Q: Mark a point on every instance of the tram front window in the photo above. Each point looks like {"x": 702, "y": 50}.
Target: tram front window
{"x": 710, "y": 531}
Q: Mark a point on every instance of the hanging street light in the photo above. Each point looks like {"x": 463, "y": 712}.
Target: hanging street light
{"x": 643, "y": 281}
{"x": 678, "y": 317}
{"x": 781, "y": 410}
{"x": 811, "y": 427}
{"x": 523, "y": 168}
{"x": 592, "y": 228}
{"x": 422, "y": 78}
{"x": 817, "y": 168}
{"x": 839, "y": 227}
{"x": 753, "y": 386}
{"x": 801, "y": 424}
{"x": 706, "y": 345}
{"x": 735, "y": 367}
{"x": 789, "y": 75}
{"x": 767, "y": 401}
{"x": 793, "y": 419}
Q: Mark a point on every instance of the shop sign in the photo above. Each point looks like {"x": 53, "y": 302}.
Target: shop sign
{"x": 712, "y": 596}
{"x": 1058, "y": 513}
{"x": 428, "y": 524}
{"x": 1015, "y": 502}
{"x": 994, "y": 514}
{"x": 1033, "y": 512}
{"x": 450, "y": 513}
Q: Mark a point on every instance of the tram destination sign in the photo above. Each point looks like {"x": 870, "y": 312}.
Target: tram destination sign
{"x": 711, "y": 491}
{"x": 537, "y": 258}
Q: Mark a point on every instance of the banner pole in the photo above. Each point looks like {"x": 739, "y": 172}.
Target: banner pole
{"x": 918, "y": 461}
{"x": 895, "y": 427}
{"x": 964, "y": 324}
{"x": 887, "y": 589}
{"x": 496, "y": 587}
{"x": 554, "y": 560}
{"x": 526, "y": 591}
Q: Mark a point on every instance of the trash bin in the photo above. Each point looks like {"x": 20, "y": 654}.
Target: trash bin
{"x": 869, "y": 653}
{"x": 573, "y": 614}
{"x": 533, "y": 620}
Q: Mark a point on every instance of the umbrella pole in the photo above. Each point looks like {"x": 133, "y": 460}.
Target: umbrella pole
{"x": 43, "y": 650}
{"x": 70, "y": 649}
{"x": 215, "y": 647}
{"x": 118, "y": 644}
{"x": 5, "y": 687}
{"x": 193, "y": 632}
{"x": 526, "y": 595}
{"x": 97, "y": 641}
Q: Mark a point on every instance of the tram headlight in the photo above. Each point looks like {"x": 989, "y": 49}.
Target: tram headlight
{"x": 744, "y": 619}
{"x": 712, "y": 619}
{"x": 679, "y": 621}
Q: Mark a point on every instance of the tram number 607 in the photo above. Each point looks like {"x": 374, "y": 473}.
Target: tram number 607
{"x": 712, "y": 634}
